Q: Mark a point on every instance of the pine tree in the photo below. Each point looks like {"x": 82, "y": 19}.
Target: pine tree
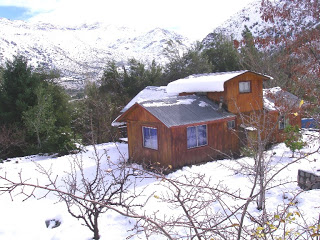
{"x": 222, "y": 53}
{"x": 17, "y": 90}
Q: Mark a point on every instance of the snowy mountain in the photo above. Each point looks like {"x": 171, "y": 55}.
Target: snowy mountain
{"x": 81, "y": 52}
{"x": 298, "y": 18}
{"x": 249, "y": 16}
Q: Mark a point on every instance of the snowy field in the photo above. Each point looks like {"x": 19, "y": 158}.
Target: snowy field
{"x": 26, "y": 219}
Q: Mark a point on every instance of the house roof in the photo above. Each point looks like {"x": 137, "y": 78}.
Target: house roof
{"x": 280, "y": 100}
{"x": 209, "y": 82}
{"x": 148, "y": 93}
{"x": 183, "y": 110}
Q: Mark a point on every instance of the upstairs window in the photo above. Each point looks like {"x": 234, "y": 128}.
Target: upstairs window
{"x": 245, "y": 87}
{"x": 283, "y": 122}
{"x": 231, "y": 124}
{"x": 150, "y": 137}
{"x": 196, "y": 136}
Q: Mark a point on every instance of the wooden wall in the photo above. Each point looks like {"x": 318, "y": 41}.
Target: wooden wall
{"x": 241, "y": 102}
{"x": 278, "y": 134}
{"x": 222, "y": 142}
{"x": 135, "y": 121}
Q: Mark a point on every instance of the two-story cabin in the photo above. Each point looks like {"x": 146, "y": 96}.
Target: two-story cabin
{"x": 196, "y": 119}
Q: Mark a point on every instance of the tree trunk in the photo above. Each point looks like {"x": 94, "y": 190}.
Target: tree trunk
{"x": 96, "y": 235}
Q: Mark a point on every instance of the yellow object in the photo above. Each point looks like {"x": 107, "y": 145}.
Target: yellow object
{"x": 301, "y": 102}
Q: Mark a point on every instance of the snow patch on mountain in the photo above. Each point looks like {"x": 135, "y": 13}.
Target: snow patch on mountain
{"x": 80, "y": 53}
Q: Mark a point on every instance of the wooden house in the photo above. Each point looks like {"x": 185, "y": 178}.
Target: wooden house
{"x": 195, "y": 119}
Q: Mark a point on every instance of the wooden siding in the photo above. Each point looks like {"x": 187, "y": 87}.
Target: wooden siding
{"x": 222, "y": 142}
{"x": 241, "y": 102}
{"x": 142, "y": 118}
{"x": 146, "y": 156}
{"x": 279, "y": 134}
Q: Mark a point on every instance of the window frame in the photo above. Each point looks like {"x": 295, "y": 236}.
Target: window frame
{"x": 283, "y": 122}
{"x": 143, "y": 138}
{"x": 233, "y": 124}
{"x": 197, "y": 136}
{"x": 246, "y": 91}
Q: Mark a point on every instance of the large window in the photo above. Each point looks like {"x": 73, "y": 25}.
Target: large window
{"x": 283, "y": 122}
{"x": 245, "y": 87}
{"x": 150, "y": 137}
{"x": 197, "y": 136}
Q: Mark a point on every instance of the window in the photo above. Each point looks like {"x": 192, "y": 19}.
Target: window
{"x": 150, "y": 137}
{"x": 196, "y": 136}
{"x": 245, "y": 87}
{"x": 283, "y": 122}
{"x": 231, "y": 124}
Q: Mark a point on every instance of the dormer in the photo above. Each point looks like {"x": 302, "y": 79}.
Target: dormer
{"x": 238, "y": 91}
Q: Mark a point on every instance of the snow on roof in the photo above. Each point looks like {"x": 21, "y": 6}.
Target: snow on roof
{"x": 183, "y": 110}
{"x": 279, "y": 99}
{"x": 148, "y": 93}
{"x": 209, "y": 82}
{"x": 166, "y": 103}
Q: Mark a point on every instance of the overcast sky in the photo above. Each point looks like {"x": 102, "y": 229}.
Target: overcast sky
{"x": 192, "y": 18}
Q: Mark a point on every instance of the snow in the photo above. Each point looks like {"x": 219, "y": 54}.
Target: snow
{"x": 165, "y": 103}
{"x": 277, "y": 99}
{"x": 203, "y": 104}
{"x": 248, "y": 128}
{"x": 269, "y": 102}
{"x": 117, "y": 124}
{"x": 81, "y": 52}
{"x": 148, "y": 93}
{"x": 26, "y": 219}
{"x": 211, "y": 82}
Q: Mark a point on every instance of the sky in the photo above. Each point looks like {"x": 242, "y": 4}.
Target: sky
{"x": 191, "y": 18}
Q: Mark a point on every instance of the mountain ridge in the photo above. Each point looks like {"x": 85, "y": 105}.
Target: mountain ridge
{"x": 81, "y": 52}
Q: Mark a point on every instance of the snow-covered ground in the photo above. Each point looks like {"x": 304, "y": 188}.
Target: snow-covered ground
{"x": 26, "y": 219}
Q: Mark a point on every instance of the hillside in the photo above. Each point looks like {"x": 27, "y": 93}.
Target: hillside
{"x": 295, "y": 20}
{"x": 80, "y": 53}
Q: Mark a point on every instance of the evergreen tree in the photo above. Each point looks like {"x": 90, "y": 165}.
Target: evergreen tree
{"x": 39, "y": 119}
{"x": 154, "y": 74}
{"x": 135, "y": 77}
{"x": 112, "y": 80}
{"x": 251, "y": 58}
{"x": 17, "y": 90}
{"x": 191, "y": 62}
{"x": 222, "y": 54}
{"x": 28, "y": 98}
{"x": 1, "y": 76}
{"x": 293, "y": 138}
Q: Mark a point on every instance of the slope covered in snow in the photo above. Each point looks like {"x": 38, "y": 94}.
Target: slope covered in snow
{"x": 251, "y": 17}
{"x": 81, "y": 52}
{"x": 26, "y": 219}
